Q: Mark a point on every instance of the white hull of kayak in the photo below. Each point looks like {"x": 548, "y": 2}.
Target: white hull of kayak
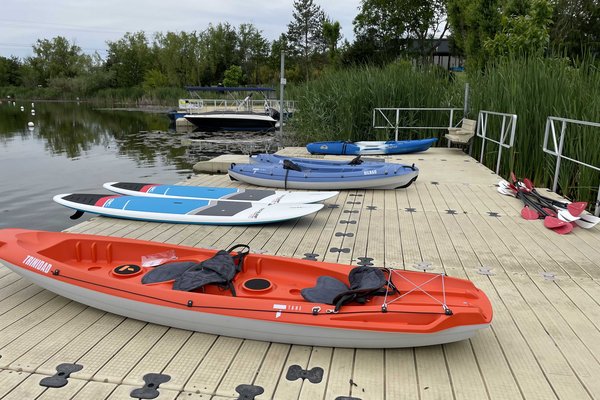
{"x": 387, "y": 182}
{"x": 243, "y": 327}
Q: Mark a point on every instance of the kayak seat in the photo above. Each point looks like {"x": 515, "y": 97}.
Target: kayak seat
{"x": 187, "y": 276}
{"x": 364, "y": 283}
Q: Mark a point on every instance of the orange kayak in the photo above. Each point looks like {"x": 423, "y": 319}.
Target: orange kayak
{"x": 249, "y": 295}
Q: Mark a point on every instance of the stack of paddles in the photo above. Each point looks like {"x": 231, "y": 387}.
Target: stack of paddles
{"x": 559, "y": 216}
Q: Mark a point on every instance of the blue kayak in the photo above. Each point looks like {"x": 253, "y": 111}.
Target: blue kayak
{"x": 292, "y": 175}
{"x": 370, "y": 148}
{"x": 278, "y": 159}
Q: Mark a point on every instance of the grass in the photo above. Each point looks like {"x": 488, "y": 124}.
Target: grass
{"x": 339, "y": 106}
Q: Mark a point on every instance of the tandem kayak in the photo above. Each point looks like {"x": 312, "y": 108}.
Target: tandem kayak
{"x": 217, "y": 193}
{"x": 290, "y": 175}
{"x": 173, "y": 210}
{"x": 247, "y": 295}
{"x": 370, "y": 147}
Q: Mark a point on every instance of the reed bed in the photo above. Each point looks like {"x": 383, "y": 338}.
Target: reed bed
{"x": 534, "y": 89}
{"x": 339, "y": 106}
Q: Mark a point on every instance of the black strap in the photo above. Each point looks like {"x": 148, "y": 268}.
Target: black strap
{"x": 239, "y": 257}
{"x": 356, "y": 161}
{"x": 287, "y": 171}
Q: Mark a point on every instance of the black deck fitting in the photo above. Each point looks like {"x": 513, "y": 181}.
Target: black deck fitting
{"x": 60, "y": 379}
{"x": 249, "y": 392}
{"x": 150, "y": 389}
{"x": 314, "y": 375}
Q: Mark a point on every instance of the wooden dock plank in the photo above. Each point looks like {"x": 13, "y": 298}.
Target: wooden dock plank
{"x": 185, "y": 362}
{"x": 213, "y": 367}
{"x": 158, "y": 356}
{"x": 243, "y": 368}
{"x": 94, "y": 391}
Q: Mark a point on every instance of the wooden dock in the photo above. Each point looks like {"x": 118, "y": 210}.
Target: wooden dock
{"x": 544, "y": 342}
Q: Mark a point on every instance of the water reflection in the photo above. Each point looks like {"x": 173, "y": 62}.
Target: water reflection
{"x": 76, "y": 148}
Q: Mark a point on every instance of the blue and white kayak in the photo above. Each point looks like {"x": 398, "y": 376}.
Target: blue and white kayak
{"x": 366, "y": 147}
{"x": 217, "y": 193}
{"x": 278, "y": 159}
{"x": 212, "y": 212}
{"x": 302, "y": 176}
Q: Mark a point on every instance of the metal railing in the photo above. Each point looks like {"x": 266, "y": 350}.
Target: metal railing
{"x": 389, "y": 118}
{"x": 559, "y": 145}
{"x": 201, "y": 105}
{"x": 507, "y": 130}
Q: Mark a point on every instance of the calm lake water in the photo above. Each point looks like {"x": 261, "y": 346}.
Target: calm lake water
{"x": 76, "y": 148}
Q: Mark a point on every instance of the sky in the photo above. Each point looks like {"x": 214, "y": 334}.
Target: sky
{"x": 91, "y": 23}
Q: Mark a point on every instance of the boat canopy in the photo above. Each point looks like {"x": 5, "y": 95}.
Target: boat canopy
{"x": 227, "y": 89}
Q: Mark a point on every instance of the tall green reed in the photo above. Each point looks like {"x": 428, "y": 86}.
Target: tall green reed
{"x": 534, "y": 89}
{"x": 339, "y": 105}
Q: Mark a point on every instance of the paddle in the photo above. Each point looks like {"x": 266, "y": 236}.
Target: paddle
{"x": 558, "y": 226}
{"x": 550, "y": 221}
{"x": 568, "y": 211}
{"x": 587, "y": 221}
{"x": 575, "y": 208}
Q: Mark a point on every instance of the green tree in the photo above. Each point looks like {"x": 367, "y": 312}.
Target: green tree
{"x": 252, "y": 50}
{"x": 10, "y": 71}
{"x": 524, "y": 29}
{"x": 332, "y": 35}
{"x": 154, "y": 79}
{"x": 305, "y": 32}
{"x": 576, "y": 27}
{"x": 472, "y": 22}
{"x": 129, "y": 58}
{"x": 177, "y": 56}
{"x": 56, "y": 58}
{"x": 233, "y": 76}
{"x": 385, "y": 28}
{"x": 217, "y": 45}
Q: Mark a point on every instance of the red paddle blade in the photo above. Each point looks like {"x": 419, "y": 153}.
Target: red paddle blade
{"x": 554, "y": 223}
{"x": 513, "y": 177}
{"x": 529, "y": 214}
{"x": 549, "y": 211}
{"x": 577, "y": 208}
{"x": 528, "y": 183}
{"x": 563, "y": 230}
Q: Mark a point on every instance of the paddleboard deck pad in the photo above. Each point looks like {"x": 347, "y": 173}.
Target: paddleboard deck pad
{"x": 206, "y": 211}
{"x": 217, "y": 193}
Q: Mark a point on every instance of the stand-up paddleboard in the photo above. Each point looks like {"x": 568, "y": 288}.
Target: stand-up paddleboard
{"x": 212, "y": 212}
{"x": 217, "y": 193}
{"x": 370, "y": 147}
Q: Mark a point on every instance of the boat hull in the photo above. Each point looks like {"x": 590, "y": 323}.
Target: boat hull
{"x": 109, "y": 273}
{"x": 389, "y": 176}
{"x": 232, "y": 121}
{"x": 244, "y": 327}
{"x": 370, "y": 147}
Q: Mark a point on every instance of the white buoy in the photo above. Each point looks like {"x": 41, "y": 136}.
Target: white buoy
{"x": 22, "y": 108}
{"x": 30, "y": 124}
{"x": 32, "y": 105}
{"x": 32, "y": 112}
